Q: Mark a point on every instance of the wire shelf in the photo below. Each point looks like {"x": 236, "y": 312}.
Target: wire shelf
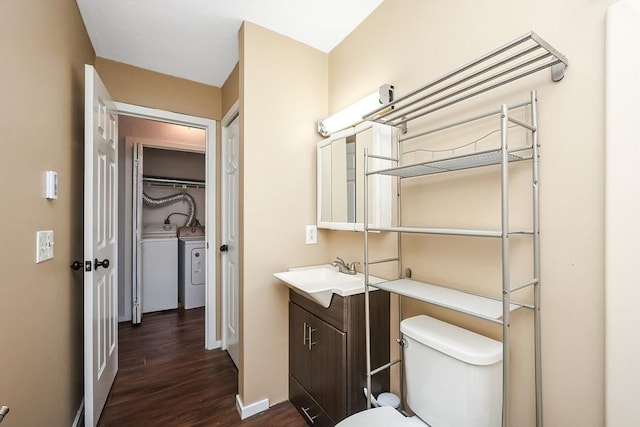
{"x": 466, "y": 161}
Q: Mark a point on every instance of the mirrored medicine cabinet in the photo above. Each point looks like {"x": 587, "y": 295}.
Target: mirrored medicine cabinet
{"x": 340, "y": 181}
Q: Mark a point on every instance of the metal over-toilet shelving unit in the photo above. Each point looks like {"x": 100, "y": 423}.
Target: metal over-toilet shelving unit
{"x": 521, "y": 57}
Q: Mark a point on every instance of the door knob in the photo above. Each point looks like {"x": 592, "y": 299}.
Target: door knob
{"x": 76, "y": 265}
{"x": 104, "y": 263}
{"x": 224, "y": 248}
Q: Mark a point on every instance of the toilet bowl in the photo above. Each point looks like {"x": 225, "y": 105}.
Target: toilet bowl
{"x": 384, "y": 416}
{"x": 453, "y": 379}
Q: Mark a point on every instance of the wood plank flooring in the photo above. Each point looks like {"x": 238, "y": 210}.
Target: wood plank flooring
{"x": 167, "y": 378}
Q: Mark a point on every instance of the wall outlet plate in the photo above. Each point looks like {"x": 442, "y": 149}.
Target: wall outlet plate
{"x": 311, "y": 235}
{"x": 44, "y": 245}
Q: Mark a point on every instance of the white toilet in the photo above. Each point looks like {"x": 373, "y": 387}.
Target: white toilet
{"x": 453, "y": 379}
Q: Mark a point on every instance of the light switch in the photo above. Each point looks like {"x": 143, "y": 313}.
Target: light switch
{"x": 44, "y": 245}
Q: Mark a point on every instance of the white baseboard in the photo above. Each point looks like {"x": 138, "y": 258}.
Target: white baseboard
{"x": 79, "y": 419}
{"x": 215, "y": 345}
{"x": 251, "y": 409}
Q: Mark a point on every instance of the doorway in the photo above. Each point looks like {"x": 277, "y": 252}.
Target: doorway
{"x": 168, "y": 223}
{"x": 174, "y": 133}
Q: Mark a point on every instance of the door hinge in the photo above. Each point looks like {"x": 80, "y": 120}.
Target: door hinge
{"x": 87, "y": 266}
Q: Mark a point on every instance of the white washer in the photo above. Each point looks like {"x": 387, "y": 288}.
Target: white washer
{"x": 191, "y": 267}
{"x": 159, "y": 267}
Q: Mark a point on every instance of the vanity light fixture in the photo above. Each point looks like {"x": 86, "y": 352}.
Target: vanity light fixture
{"x": 353, "y": 114}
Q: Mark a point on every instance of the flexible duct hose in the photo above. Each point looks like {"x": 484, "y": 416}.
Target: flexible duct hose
{"x": 169, "y": 200}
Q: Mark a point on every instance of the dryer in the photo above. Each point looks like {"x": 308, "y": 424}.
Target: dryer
{"x": 191, "y": 267}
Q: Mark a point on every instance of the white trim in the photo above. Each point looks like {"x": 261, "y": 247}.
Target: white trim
{"x": 166, "y": 116}
{"x": 209, "y": 125}
{"x": 251, "y": 409}
{"x": 79, "y": 419}
{"x": 170, "y": 145}
{"x": 231, "y": 114}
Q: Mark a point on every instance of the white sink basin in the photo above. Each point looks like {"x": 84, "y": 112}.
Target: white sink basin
{"x": 320, "y": 282}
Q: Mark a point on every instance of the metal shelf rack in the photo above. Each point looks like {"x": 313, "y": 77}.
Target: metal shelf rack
{"x": 517, "y": 59}
{"x": 493, "y": 309}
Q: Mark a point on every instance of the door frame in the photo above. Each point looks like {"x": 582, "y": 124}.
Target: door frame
{"x": 209, "y": 125}
{"x": 230, "y": 115}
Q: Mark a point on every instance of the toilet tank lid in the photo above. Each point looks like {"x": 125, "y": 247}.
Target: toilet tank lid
{"x": 456, "y": 342}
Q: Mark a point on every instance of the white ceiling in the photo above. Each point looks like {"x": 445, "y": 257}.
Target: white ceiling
{"x": 198, "y": 39}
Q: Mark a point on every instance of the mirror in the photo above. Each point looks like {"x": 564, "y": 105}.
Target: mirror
{"x": 340, "y": 185}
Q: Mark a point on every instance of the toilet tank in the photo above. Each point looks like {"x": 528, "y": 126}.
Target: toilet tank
{"x": 453, "y": 376}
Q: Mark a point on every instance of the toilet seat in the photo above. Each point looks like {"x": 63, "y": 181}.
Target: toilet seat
{"x": 384, "y": 416}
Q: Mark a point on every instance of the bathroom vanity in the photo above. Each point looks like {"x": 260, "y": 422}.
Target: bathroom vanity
{"x": 327, "y": 365}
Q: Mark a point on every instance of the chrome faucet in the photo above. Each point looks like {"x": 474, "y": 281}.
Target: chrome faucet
{"x": 343, "y": 267}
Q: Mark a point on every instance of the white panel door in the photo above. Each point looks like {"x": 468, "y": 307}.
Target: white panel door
{"x": 230, "y": 158}
{"x": 100, "y": 246}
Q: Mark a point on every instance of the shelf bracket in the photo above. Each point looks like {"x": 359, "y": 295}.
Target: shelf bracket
{"x": 557, "y": 71}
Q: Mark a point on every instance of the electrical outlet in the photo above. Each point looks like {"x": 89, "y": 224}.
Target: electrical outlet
{"x": 311, "y": 235}
{"x": 44, "y": 245}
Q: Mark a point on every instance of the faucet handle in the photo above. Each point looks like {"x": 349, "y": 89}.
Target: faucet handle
{"x": 340, "y": 260}
{"x": 352, "y": 266}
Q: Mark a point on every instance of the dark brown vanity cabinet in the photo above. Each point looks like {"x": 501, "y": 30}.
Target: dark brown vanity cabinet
{"x": 327, "y": 365}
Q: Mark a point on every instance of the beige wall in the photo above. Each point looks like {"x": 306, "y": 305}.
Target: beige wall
{"x": 137, "y": 86}
{"x": 407, "y": 44}
{"x": 283, "y": 91}
{"x": 43, "y": 49}
{"x": 230, "y": 89}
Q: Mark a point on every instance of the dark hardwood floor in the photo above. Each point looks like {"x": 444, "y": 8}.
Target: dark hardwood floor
{"x": 167, "y": 378}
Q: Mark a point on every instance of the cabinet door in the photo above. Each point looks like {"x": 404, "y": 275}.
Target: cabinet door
{"x": 378, "y": 140}
{"x": 328, "y": 369}
{"x": 299, "y": 354}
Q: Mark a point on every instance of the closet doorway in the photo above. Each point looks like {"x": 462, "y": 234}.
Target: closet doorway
{"x": 168, "y": 200}
{"x": 166, "y": 156}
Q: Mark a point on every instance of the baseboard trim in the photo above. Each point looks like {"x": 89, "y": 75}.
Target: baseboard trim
{"x": 79, "y": 419}
{"x": 216, "y": 344}
{"x": 251, "y": 409}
